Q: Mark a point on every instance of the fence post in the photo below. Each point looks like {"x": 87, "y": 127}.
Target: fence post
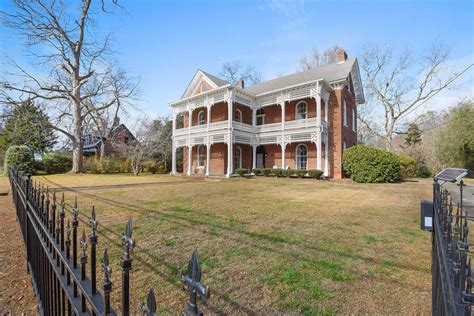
{"x": 62, "y": 215}
{"x": 93, "y": 242}
{"x": 75, "y": 224}
{"x": 126, "y": 264}
{"x": 107, "y": 284}
{"x": 68, "y": 249}
{"x": 83, "y": 266}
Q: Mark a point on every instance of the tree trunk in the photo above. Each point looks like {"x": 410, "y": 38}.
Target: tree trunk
{"x": 102, "y": 150}
{"x": 78, "y": 146}
{"x": 135, "y": 168}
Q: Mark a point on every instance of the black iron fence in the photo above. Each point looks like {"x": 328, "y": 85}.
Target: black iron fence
{"x": 63, "y": 265}
{"x": 452, "y": 278}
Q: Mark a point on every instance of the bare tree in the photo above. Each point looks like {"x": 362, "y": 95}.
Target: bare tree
{"x": 61, "y": 39}
{"x": 397, "y": 85}
{"x": 316, "y": 59}
{"x": 234, "y": 71}
{"x": 164, "y": 128}
{"x": 112, "y": 97}
{"x": 143, "y": 148}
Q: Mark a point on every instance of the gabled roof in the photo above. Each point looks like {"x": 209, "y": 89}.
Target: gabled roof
{"x": 214, "y": 81}
{"x": 218, "y": 81}
{"x": 332, "y": 73}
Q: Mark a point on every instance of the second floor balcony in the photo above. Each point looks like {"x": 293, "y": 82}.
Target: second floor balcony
{"x": 302, "y": 124}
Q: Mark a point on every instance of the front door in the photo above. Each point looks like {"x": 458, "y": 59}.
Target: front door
{"x": 260, "y": 163}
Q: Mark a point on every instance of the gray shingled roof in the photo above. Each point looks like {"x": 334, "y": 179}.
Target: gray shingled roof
{"x": 331, "y": 72}
{"x": 218, "y": 81}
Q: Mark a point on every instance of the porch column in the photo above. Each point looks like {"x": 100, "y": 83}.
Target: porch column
{"x": 318, "y": 110}
{"x": 230, "y": 161}
{"x": 190, "y": 160}
{"x": 254, "y": 155}
{"x": 173, "y": 158}
{"x": 283, "y": 149}
{"x": 318, "y": 140}
{"x": 254, "y": 117}
{"x": 283, "y": 115}
{"x": 208, "y": 159}
{"x": 173, "y": 152}
{"x": 326, "y": 157}
{"x": 318, "y": 152}
{"x": 208, "y": 117}
{"x": 229, "y": 109}
{"x": 190, "y": 119}
{"x": 326, "y": 108}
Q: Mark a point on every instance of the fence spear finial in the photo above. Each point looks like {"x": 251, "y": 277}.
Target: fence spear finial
{"x": 149, "y": 308}
{"x": 93, "y": 222}
{"x": 192, "y": 282}
{"x": 83, "y": 243}
{"x": 75, "y": 210}
{"x": 127, "y": 240}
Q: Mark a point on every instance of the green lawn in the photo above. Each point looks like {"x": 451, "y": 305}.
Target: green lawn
{"x": 267, "y": 245}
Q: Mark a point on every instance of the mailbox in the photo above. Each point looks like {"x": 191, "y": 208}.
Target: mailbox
{"x": 426, "y": 221}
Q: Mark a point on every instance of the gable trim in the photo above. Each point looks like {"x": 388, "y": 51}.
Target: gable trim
{"x": 194, "y": 84}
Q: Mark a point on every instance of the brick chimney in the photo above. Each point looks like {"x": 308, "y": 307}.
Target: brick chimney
{"x": 241, "y": 83}
{"x": 342, "y": 55}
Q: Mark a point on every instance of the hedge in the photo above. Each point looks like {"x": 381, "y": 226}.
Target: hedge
{"x": 21, "y": 158}
{"x": 109, "y": 164}
{"x": 372, "y": 165}
{"x": 241, "y": 171}
{"x": 56, "y": 162}
{"x": 422, "y": 171}
{"x": 408, "y": 167}
{"x": 315, "y": 173}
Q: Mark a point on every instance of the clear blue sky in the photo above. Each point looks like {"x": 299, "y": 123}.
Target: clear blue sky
{"x": 164, "y": 42}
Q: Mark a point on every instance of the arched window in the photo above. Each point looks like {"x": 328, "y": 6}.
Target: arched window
{"x": 301, "y": 111}
{"x": 260, "y": 116}
{"x": 203, "y": 87}
{"x": 200, "y": 156}
{"x": 238, "y": 157}
{"x": 238, "y": 115}
{"x": 302, "y": 157}
{"x": 201, "y": 118}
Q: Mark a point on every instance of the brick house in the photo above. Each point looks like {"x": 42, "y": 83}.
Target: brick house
{"x": 300, "y": 121}
{"x": 94, "y": 144}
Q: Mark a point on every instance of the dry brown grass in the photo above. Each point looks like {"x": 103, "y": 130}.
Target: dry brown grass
{"x": 269, "y": 245}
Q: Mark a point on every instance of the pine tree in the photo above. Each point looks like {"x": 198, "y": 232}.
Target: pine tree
{"x": 28, "y": 125}
{"x": 413, "y": 135}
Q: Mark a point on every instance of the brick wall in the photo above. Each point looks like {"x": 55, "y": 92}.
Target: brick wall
{"x": 198, "y": 88}
{"x": 219, "y": 112}
{"x": 335, "y": 135}
{"x": 272, "y": 114}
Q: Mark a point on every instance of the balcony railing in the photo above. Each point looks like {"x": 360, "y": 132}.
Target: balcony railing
{"x": 289, "y": 125}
